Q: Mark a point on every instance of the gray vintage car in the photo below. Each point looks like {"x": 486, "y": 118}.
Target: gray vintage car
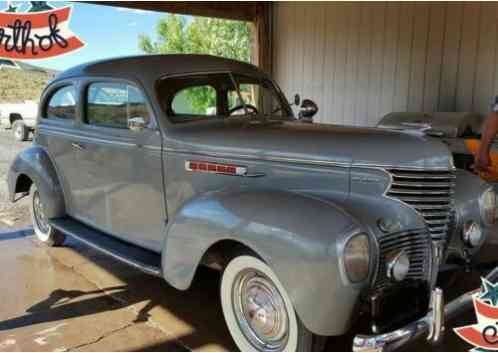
{"x": 172, "y": 162}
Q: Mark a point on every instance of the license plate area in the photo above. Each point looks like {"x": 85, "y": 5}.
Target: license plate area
{"x": 397, "y": 306}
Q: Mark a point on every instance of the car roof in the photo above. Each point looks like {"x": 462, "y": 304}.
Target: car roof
{"x": 152, "y": 67}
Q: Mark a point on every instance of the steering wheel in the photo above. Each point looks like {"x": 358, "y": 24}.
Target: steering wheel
{"x": 251, "y": 109}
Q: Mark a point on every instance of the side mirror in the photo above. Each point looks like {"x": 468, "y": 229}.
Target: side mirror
{"x": 297, "y": 99}
{"x": 136, "y": 124}
{"x": 308, "y": 110}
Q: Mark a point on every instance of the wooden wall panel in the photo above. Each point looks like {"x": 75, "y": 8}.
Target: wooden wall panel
{"x": 389, "y": 59}
{"x": 344, "y": 11}
{"x": 376, "y": 62}
{"x": 450, "y": 62}
{"x": 416, "y": 84}
{"x": 468, "y": 56}
{"x": 432, "y": 74}
{"x": 404, "y": 58}
{"x": 361, "y": 60}
{"x": 486, "y": 52}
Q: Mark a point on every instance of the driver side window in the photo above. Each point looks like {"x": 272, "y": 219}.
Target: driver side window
{"x": 255, "y": 95}
{"x": 195, "y": 100}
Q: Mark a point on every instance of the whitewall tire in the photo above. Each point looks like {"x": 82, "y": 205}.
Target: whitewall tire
{"x": 258, "y": 310}
{"x": 43, "y": 230}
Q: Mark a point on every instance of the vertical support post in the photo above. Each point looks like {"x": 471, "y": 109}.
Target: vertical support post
{"x": 262, "y": 36}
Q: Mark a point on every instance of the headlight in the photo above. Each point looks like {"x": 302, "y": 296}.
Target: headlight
{"x": 357, "y": 257}
{"x": 487, "y": 206}
{"x": 472, "y": 234}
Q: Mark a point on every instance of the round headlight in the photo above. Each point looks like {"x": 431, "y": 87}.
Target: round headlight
{"x": 357, "y": 257}
{"x": 487, "y": 206}
{"x": 472, "y": 234}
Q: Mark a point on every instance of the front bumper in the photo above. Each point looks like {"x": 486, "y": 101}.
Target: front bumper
{"x": 431, "y": 325}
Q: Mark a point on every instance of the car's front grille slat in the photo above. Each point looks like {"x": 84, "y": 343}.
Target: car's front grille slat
{"x": 423, "y": 174}
{"x": 422, "y": 191}
{"x": 423, "y": 184}
{"x": 416, "y": 244}
{"x": 429, "y": 193}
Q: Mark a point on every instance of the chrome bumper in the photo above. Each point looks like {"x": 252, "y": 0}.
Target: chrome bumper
{"x": 431, "y": 325}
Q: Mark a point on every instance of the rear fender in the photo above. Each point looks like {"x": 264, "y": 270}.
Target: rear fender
{"x": 35, "y": 163}
{"x": 300, "y": 237}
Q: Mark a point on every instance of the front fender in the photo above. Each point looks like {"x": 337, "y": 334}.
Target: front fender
{"x": 300, "y": 237}
{"x": 35, "y": 163}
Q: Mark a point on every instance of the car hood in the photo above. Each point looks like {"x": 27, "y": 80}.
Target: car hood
{"x": 320, "y": 143}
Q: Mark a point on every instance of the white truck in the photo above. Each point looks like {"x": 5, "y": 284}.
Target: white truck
{"x": 20, "y": 117}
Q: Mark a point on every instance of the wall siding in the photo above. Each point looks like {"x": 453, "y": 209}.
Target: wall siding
{"x": 362, "y": 60}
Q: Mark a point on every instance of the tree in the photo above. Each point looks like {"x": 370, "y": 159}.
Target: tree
{"x": 201, "y": 35}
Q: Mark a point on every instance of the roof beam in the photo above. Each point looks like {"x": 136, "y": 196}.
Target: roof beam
{"x": 232, "y": 10}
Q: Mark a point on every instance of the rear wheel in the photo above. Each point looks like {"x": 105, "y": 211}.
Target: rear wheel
{"x": 21, "y": 131}
{"x": 258, "y": 310}
{"x": 43, "y": 230}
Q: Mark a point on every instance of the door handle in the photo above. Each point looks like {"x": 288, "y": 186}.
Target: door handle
{"x": 77, "y": 146}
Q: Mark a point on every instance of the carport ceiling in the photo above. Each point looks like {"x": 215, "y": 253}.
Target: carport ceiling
{"x": 244, "y": 11}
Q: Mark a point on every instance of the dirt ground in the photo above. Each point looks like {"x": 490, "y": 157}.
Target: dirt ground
{"x": 11, "y": 215}
{"x": 75, "y": 299}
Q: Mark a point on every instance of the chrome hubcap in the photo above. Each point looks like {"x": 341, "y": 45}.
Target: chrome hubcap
{"x": 260, "y": 311}
{"x": 40, "y": 219}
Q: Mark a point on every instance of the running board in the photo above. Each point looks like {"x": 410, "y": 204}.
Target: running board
{"x": 142, "y": 259}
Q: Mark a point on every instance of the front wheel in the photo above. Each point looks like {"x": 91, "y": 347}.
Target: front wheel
{"x": 258, "y": 310}
{"x": 45, "y": 233}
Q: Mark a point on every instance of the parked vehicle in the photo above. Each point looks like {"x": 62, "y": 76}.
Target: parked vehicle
{"x": 172, "y": 162}
{"x": 452, "y": 128}
{"x": 20, "y": 117}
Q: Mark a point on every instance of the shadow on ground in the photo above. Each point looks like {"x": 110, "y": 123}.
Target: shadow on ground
{"x": 192, "y": 318}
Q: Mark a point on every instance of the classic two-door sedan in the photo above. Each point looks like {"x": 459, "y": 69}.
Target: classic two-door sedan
{"x": 175, "y": 161}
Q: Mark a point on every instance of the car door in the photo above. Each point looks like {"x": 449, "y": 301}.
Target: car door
{"x": 119, "y": 186}
{"x": 58, "y": 122}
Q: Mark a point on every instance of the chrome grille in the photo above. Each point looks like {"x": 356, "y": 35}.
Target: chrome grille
{"x": 418, "y": 247}
{"x": 428, "y": 192}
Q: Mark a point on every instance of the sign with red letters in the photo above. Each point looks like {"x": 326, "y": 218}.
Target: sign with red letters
{"x": 37, "y": 35}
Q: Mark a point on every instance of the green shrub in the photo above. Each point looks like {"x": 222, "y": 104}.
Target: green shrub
{"x": 17, "y": 86}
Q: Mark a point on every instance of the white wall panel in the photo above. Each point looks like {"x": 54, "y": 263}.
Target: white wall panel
{"x": 362, "y": 60}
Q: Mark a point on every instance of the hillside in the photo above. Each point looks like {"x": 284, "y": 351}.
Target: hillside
{"x": 19, "y": 85}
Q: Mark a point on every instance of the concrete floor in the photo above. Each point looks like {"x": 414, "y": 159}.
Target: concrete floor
{"x": 75, "y": 299}
{"x": 72, "y": 298}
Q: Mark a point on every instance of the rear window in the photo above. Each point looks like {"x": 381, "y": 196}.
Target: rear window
{"x": 62, "y": 104}
{"x": 113, "y": 104}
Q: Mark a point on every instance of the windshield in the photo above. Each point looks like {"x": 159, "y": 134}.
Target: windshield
{"x": 221, "y": 95}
